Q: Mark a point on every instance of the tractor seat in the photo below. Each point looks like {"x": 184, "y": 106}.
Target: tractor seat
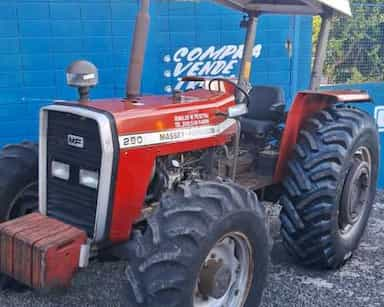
{"x": 265, "y": 111}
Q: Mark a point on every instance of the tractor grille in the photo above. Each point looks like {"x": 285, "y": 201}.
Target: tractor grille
{"x": 67, "y": 200}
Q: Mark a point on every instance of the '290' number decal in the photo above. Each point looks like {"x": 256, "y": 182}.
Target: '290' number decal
{"x": 133, "y": 140}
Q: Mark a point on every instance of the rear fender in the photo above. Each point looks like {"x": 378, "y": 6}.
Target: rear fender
{"x": 304, "y": 106}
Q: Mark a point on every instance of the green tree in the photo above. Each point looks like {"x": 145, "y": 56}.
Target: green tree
{"x": 316, "y": 30}
{"x": 356, "y": 49}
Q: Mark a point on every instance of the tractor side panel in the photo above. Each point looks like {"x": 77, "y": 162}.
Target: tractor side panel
{"x": 134, "y": 174}
{"x": 132, "y": 181}
{"x": 304, "y": 106}
{"x": 138, "y": 152}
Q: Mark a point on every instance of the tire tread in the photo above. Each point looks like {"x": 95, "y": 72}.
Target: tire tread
{"x": 309, "y": 188}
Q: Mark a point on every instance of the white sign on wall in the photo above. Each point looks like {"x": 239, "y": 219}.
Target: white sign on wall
{"x": 204, "y": 62}
{"x": 379, "y": 116}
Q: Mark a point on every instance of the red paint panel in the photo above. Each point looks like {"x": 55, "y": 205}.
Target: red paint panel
{"x": 335, "y": 96}
{"x": 136, "y": 165}
{"x": 146, "y": 105}
{"x": 305, "y": 105}
{"x": 163, "y": 117}
{"x": 133, "y": 176}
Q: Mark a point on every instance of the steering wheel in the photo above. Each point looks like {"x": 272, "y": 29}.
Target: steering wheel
{"x": 237, "y": 87}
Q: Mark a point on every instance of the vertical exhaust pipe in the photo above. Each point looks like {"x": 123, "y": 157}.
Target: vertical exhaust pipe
{"x": 139, "y": 44}
{"x": 246, "y": 63}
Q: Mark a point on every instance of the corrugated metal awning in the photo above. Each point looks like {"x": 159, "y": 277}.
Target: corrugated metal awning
{"x": 296, "y": 7}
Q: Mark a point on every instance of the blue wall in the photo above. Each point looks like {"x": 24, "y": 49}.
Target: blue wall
{"x": 38, "y": 39}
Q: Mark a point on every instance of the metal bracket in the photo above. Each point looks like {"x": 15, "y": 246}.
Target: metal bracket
{"x": 85, "y": 251}
{"x": 244, "y": 22}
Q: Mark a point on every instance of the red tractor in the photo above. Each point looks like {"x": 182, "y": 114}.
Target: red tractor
{"x": 174, "y": 184}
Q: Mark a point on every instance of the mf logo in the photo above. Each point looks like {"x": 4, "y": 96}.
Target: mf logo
{"x": 75, "y": 141}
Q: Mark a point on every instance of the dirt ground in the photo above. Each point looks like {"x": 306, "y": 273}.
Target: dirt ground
{"x": 360, "y": 283}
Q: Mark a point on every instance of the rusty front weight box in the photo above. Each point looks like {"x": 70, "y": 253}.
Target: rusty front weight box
{"x": 39, "y": 251}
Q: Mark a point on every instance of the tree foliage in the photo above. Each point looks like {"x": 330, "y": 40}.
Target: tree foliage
{"x": 356, "y": 45}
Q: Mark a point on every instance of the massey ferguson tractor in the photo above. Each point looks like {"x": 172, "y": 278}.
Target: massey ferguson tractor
{"x": 174, "y": 184}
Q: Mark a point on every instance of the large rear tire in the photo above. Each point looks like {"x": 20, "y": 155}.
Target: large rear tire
{"x": 330, "y": 187}
{"x": 18, "y": 186}
{"x": 207, "y": 243}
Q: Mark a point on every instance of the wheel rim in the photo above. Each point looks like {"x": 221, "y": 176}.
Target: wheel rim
{"x": 226, "y": 274}
{"x": 356, "y": 192}
{"x": 25, "y": 202}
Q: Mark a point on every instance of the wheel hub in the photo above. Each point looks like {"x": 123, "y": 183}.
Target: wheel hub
{"x": 215, "y": 279}
{"x": 355, "y": 194}
{"x": 226, "y": 273}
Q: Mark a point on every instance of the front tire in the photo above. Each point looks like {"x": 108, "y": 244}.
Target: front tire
{"x": 330, "y": 187}
{"x": 206, "y": 243}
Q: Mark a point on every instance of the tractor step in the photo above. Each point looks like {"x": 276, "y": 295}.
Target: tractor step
{"x": 40, "y": 252}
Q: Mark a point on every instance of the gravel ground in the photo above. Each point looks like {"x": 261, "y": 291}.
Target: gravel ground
{"x": 360, "y": 283}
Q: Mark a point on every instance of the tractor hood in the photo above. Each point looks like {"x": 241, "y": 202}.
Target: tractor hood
{"x": 148, "y": 114}
{"x": 296, "y": 7}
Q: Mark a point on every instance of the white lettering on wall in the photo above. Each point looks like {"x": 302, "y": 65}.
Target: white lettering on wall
{"x": 209, "y": 62}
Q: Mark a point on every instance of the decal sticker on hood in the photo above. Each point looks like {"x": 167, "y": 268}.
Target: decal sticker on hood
{"x": 174, "y": 135}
